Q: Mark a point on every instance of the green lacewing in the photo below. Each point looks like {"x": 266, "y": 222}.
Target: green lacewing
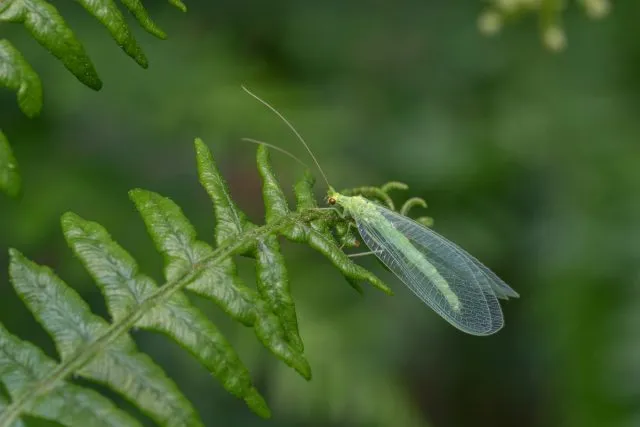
{"x": 443, "y": 275}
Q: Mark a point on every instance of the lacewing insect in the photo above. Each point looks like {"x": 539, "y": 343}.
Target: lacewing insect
{"x": 444, "y": 276}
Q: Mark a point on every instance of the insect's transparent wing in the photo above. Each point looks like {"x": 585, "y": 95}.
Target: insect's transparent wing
{"x": 449, "y": 252}
{"x": 479, "y": 312}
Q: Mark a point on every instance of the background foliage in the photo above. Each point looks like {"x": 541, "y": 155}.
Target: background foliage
{"x": 527, "y": 159}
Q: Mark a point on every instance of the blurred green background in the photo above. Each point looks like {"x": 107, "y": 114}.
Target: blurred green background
{"x": 529, "y": 160}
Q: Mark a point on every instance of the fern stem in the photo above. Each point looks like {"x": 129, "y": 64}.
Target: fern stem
{"x": 78, "y": 360}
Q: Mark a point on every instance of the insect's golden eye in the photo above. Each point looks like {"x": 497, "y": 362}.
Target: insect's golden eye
{"x": 331, "y": 200}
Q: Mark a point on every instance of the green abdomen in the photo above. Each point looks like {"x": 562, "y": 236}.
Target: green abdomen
{"x": 413, "y": 260}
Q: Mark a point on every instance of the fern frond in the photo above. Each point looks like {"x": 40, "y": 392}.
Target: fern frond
{"x": 103, "y": 351}
{"x": 22, "y": 364}
{"x": 175, "y": 238}
{"x": 16, "y": 74}
{"x": 45, "y": 24}
{"x": 140, "y": 13}
{"x": 108, "y": 14}
{"x": 125, "y": 289}
{"x": 118, "y": 364}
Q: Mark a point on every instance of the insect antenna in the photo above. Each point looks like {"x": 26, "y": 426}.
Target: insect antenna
{"x": 275, "y": 147}
{"x": 266, "y": 104}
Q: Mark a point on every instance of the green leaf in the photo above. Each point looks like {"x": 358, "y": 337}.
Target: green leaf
{"x": 303, "y": 189}
{"x": 16, "y": 74}
{"x": 9, "y": 177}
{"x": 175, "y": 238}
{"x": 142, "y": 16}
{"x": 125, "y": 289}
{"x": 273, "y": 286}
{"x": 178, "y": 4}
{"x": 275, "y": 201}
{"x": 230, "y": 221}
{"x": 113, "y": 269}
{"x": 48, "y": 27}
{"x": 172, "y": 233}
{"x": 72, "y": 325}
{"x": 25, "y": 369}
{"x": 280, "y": 335}
{"x": 110, "y": 16}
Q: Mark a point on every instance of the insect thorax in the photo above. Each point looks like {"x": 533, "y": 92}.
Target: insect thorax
{"x": 357, "y": 206}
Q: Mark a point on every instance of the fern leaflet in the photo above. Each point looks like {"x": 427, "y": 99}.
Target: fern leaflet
{"x": 45, "y": 24}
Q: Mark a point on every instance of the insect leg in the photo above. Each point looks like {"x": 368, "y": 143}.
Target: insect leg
{"x": 342, "y": 214}
{"x": 363, "y": 254}
{"x": 345, "y": 235}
